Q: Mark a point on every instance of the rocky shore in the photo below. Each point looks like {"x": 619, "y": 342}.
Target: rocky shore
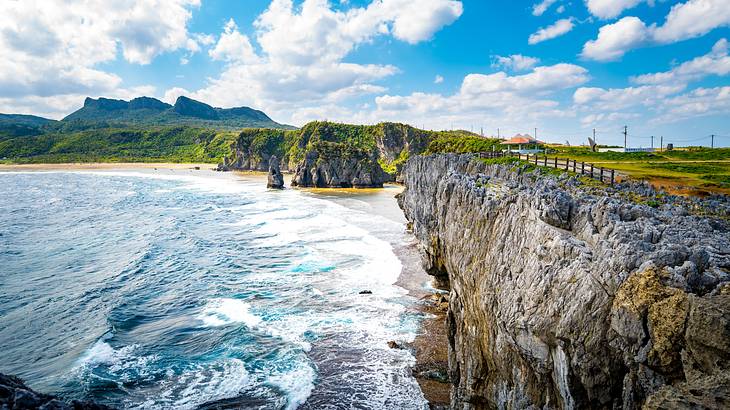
{"x": 564, "y": 294}
{"x": 14, "y": 394}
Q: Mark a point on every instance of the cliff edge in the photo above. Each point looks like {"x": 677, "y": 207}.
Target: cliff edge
{"x": 567, "y": 296}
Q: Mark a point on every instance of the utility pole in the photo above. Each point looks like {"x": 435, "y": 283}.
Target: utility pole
{"x": 594, "y": 136}
{"x": 535, "y": 133}
{"x": 626, "y": 134}
{"x": 712, "y": 144}
{"x": 661, "y": 143}
{"x": 499, "y": 136}
{"x": 481, "y": 131}
{"x": 652, "y": 142}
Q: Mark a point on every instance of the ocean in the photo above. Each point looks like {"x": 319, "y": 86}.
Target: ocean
{"x": 183, "y": 289}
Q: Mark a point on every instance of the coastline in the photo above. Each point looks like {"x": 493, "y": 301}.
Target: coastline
{"x": 86, "y": 166}
{"x": 430, "y": 344}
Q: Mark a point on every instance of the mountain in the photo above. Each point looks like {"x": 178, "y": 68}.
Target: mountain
{"x": 19, "y": 125}
{"x": 147, "y": 111}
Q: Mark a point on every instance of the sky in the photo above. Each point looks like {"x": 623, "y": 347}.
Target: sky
{"x": 563, "y": 67}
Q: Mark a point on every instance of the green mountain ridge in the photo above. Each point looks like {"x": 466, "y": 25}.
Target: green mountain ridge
{"x": 147, "y": 111}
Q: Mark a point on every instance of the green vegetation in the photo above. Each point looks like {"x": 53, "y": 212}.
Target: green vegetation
{"x": 461, "y": 142}
{"x": 691, "y": 170}
{"x": 146, "y": 111}
{"x": 173, "y": 144}
{"x": 391, "y": 143}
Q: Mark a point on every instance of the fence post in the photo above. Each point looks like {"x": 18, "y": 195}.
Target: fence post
{"x": 556, "y": 163}
{"x": 573, "y": 166}
{"x": 601, "y": 173}
{"x": 612, "y": 177}
{"x": 545, "y": 164}
{"x": 535, "y": 159}
{"x": 582, "y": 167}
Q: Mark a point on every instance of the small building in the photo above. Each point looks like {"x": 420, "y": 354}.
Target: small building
{"x": 525, "y": 144}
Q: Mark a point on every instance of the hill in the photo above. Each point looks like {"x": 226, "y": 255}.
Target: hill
{"x": 147, "y": 111}
{"x": 151, "y": 144}
{"x": 19, "y": 125}
{"x": 391, "y": 144}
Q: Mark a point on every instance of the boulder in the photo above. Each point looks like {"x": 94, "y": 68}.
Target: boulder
{"x": 275, "y": 179}
{"x": 15, "y": 394}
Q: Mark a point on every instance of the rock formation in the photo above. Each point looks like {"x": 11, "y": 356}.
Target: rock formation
{"x": 14, "y": 394}
{"x": 568, "y": 296}
{"x": 276, "y": 179}
{"x": 322, "y": 170}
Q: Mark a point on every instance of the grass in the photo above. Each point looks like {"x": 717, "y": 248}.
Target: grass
{"x": 683, "y": 171}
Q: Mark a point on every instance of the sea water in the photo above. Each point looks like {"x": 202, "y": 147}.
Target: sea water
{"x": 184, "y": 289}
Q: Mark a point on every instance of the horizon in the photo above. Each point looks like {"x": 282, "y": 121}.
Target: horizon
{"x": 565, "y": 68}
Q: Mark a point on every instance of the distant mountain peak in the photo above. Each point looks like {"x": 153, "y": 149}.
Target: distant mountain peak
{"x": 192, "y": 108}
{"x": 186, "y": 111}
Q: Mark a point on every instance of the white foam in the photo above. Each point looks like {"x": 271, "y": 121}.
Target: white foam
{"x": 297, "y": 383}
{"x": 102, "y": 353}
{"x": 221, "y": 312}
{"x": 215, "y": 381}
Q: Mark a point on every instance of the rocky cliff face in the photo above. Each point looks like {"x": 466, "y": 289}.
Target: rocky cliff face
{"x": 566, "y": 298}
{"x": 339, "y": 171}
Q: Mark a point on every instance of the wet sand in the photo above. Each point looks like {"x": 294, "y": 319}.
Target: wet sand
{"x": 430, "y": 346}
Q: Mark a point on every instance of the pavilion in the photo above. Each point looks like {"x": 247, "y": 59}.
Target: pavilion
{"x": 525, "y": 144}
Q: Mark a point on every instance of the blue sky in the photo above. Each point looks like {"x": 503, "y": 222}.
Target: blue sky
{"x": 564, "y": 67}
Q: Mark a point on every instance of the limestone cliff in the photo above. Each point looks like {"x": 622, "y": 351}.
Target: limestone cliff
{"x": 567, "y": 296}
{"x": 333, "y": 168}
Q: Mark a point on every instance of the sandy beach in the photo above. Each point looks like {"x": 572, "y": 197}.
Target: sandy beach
{"x": 86, "y": 166}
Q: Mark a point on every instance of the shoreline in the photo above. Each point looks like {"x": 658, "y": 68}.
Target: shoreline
{"x": 429, "y": 347}
{"x": 85, "y": 166}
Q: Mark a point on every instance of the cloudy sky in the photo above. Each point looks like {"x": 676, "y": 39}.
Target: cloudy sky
{"x": 562, "y": 66}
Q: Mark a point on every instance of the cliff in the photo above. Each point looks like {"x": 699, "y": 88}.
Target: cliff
{"x": 331, "y": 165}
{"x": 568, "y": 295}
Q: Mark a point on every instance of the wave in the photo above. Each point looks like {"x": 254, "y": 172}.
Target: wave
{"x": 223, "y": 311}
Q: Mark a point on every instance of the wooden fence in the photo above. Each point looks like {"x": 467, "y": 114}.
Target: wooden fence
{"x": 605, "y": 175}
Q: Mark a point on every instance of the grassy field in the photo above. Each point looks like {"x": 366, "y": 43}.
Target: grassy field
{"x": 684, "y": 171}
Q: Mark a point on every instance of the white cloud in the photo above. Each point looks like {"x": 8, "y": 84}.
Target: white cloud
{"x": 52, "y": 50}
{"x": 516, "y": 62}
{"x": 438, "y": 80}
{"x": 716, "y": 62}
{"x": 615, "y": 39}
{"x": 494, "y": 97}
{"x": 615, "y": 99}
{"x": 299, "y": 63}
{"x": 693, "y": 19}
{"x": 540, "y": 8}
{"x": 687, "y": 20}
{"x": 560, "y": 9}
{"x": 559, "y": 28}
{"x": 696, "y": 103}
{"x": 233, "y": 46}
{"x": 607, "y": 9}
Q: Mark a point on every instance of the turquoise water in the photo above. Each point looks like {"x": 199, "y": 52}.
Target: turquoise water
{"x": 184, "y": 289}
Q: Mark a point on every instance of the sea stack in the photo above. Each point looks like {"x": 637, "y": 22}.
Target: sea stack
{"x": 276, "y": 179}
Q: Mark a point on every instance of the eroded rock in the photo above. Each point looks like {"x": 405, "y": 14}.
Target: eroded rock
{"x": 565, "y": 297}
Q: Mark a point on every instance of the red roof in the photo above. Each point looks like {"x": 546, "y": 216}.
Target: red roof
{"x": 522, "y": 140}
